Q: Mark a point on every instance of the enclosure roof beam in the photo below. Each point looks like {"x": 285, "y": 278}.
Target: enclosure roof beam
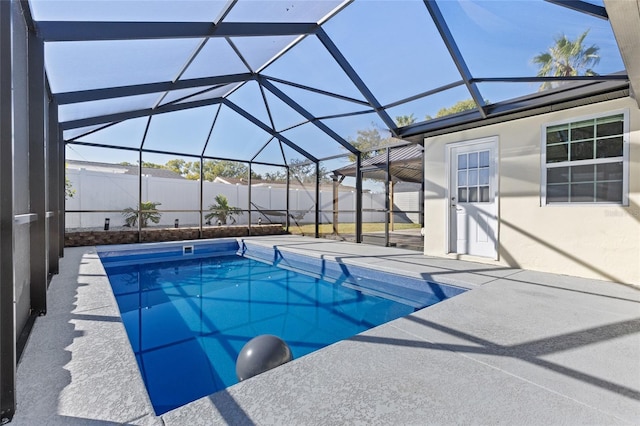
{"x": 163, "y": 152}
{"x": 456, "y": 55}
{"x": 526, "y": 106}
{"x": 225, "y": 11}
{"x": 316, "y": 90}
{"x": 262, "y": 149}
{"x": 268, "y": 129}
{"x": 585, "y": 78}
{"x": 355, "y": 79}
{"x": 425, "y": 94}
{"x": 593, "y": 78}
{"x": 100, "y": 31}
{"x": 121, "y": 116}
{"x": 584, "y": 7}
{"x": 306, "y": 114}
{"x": 142, "y": 89}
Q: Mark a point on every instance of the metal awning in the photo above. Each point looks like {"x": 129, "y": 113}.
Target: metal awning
{"x": 405, "y": 165}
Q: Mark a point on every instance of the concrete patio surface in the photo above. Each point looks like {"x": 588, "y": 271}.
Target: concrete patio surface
{"x": 520, "y": 347}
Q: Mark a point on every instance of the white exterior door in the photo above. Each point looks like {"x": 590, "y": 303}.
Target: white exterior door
{"x": 473, "y": 198}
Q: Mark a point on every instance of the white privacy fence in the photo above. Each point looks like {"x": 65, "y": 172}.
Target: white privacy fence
{"x": 102, "y": 191}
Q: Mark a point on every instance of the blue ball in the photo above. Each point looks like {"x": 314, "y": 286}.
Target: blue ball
{"x": 260, "y": 354}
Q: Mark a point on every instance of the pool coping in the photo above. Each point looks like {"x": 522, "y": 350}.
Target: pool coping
{"x": 522, "y": 347}
{"x": 412, "y": 290}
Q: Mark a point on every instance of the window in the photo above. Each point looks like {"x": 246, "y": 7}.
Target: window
{"x": 473, "y": 177}
{"x": 585, "y": 161}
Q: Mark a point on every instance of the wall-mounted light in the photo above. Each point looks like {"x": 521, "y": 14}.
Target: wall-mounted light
{"x": 176, "y": 224}
{"x": 259, "y": 221}
{"x": 106, "y": 223}
{"x": 219, "y": 222}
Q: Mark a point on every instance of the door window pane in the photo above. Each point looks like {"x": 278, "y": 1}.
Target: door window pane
{"x": 473, "y": 160}
{"x": 462, "y": 178}
{"x": 484, "y": 194}
{"x": 473, "y": 177}
{"x": 462, "y": 161}
{"x": 473, "y": 195}
{"x": 462, "y": 195}
{"x": 483, "y": 178}
{"x": 484, "y": 159}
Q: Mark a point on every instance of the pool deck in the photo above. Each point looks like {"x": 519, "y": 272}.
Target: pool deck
{"x": 521, "y": 347}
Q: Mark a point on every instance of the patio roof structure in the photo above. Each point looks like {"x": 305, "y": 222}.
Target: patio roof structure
{"x": 269, "y": 83}
{"x": 404, "y": 164}
{"x": 273, "y": 81}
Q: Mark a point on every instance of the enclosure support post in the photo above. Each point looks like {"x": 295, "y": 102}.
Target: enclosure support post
{"x": 200, "y": 233}
{"x": 317, "y": 209}
{"x": 140, "y": 193}
{"x": 62, "y": 179}
{"x": 7, "y": 317}
{"x": 36, "y": 175}
{"x": 358, "y": 212}
{"x": 421, "y": 201}
{"x": 334, "y": 180}
{"x": 54, "y": 186}
{"x": 288, "y": 218}
{"x": 391, "y": 201}
{"x": 388, "y": 206}
{"x": 144, "y": 139}
{"x": 249, "y": 197}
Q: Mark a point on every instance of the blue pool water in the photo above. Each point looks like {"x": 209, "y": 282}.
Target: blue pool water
{"x": 187, "y": 318}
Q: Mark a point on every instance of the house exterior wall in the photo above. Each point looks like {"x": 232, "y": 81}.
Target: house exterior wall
{"x": 593, "y": 241}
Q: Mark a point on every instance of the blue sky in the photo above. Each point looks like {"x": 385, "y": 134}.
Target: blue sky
{"x": 392, "y": 45}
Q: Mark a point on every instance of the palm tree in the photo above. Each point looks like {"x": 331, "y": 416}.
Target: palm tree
{"x": 405, "y": 120}
{"x": 148, "y": 213}
{"x": 567, "y": 58}
{"x": 221, "y": 210}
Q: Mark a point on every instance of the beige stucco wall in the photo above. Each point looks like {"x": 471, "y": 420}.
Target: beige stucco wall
{"x": 588, "y": 241}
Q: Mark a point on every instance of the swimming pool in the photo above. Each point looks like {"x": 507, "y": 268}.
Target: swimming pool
{"x": 189, "y": 308}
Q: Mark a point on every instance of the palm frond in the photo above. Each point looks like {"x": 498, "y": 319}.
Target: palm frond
{"x": 567, "y": 58}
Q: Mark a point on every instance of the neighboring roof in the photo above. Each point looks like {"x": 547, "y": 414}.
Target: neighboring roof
{"x": 244, "y": 181}
{"x": 120, "y": 168}
{"x": 230, "y": 181}
{"x": 405, "y": 165}
{"x": 293, "y": 184}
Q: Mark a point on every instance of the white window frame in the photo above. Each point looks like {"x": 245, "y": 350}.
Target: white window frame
{"x": 625, "y": 159}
